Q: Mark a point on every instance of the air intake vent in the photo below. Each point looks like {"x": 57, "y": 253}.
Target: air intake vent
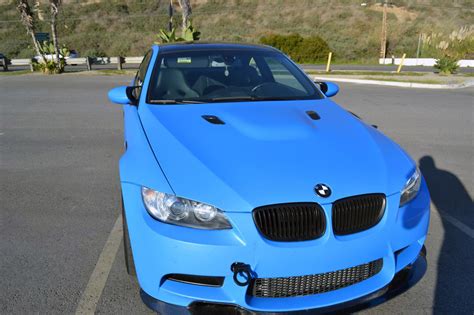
{"x": 358, "y": 213}
{"x": 313, "y": 115}
{"x": 290, "y": 222}
{"x": 213, "y": 119}
{"x": 313, "y": 284}
{"x": 196, "y": 280}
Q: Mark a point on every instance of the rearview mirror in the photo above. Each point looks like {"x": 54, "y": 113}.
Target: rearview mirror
{"x": 122, "y": 95}
{"x": 328, "y": 88}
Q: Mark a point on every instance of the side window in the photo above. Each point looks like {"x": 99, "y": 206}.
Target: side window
{"x": 140, "y": 76}
{"x": 282, "y": 75}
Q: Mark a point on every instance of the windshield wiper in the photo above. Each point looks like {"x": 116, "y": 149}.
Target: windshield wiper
{"x": 220, "y": 99}
{"x": 249, "y": 98}
{"x": 175, "y": 102}
{"x": 273, "y": 98}
{"x": 233, "y": 98}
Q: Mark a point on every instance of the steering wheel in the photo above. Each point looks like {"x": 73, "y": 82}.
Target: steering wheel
{"x": 261, "y": 85}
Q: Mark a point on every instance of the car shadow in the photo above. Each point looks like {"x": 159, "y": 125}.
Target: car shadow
{"x": 455, "y": 265}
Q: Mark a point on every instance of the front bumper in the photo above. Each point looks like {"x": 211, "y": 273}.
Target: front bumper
{"x": 162, "y": 249}
{"x": 403, "y": 280}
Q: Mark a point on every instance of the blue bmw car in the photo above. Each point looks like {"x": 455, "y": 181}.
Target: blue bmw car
{"x": 246, "y": 189}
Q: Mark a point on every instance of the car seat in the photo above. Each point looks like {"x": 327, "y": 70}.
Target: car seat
{"x": 171, "y": 84}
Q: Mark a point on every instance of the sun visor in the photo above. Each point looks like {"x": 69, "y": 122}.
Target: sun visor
{"x": 186, "y": 62}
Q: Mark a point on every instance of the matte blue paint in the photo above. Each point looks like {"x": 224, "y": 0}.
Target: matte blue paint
{"x": 277, "y": 153}
{"x": 332, "y": 89}
{"x": 265, "y": 153}
{"x": 118, "y": 95}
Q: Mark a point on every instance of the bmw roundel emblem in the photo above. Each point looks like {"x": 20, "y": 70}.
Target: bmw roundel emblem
{"x": 322, "y": 190}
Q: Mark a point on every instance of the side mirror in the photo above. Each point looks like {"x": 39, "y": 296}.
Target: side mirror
{"x": 122, "y": 95}
{"x": 328, "y": 88}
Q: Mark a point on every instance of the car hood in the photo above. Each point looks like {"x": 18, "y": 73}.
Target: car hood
{"x": 271, "y": 152}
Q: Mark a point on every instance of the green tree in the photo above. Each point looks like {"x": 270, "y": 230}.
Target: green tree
{"x": 56, "y": 63}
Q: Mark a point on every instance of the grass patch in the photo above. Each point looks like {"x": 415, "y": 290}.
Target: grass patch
{"x": 115, "y": 72}
{"x": 372, "y": 73}
{"x": 338, "y": 62}
{"x": 107, "y": 72}
{"x": 19, "y": 72}
{"x": 427, "y": 81}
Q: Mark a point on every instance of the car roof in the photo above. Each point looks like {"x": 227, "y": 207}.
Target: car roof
{"x": 201, "y": 46}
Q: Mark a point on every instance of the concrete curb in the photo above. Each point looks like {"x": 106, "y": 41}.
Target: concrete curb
{"x": 468, "y": 83}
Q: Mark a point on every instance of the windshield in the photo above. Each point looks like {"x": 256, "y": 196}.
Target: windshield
{"x": 204, "y": 76}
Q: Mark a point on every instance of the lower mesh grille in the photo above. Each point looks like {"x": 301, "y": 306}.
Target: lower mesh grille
{"x": 313, "y": 284}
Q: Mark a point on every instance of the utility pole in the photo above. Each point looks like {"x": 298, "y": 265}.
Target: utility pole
{"x": 418, "y": 49}
{"x": 383, "y": 39}
{"x": 170, "y": 13}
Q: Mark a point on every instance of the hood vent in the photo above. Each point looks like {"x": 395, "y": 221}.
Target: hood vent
{"x": 213, "y": 119}
{"x": 313, "y": 115}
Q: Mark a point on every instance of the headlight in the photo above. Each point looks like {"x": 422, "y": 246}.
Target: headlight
{"x": 180, "y": 211}
{"x": 411, "y": 189}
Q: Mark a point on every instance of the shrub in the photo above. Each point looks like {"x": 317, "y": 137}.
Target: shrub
{"x": 446, "y": 65}
{"x": 51, "y": 65}
{"x": 312, "y": 49}
{"x": 189, "y": 34}
{"x": 287, "y": 43}
{"x": 94, "y": 52}
{"x": 458, "y": 44}
{"x": 300, "y": 49}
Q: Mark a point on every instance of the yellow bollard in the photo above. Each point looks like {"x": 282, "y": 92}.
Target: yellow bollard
{"x": 328, "y": 67}
{"x": 401, "y": 63}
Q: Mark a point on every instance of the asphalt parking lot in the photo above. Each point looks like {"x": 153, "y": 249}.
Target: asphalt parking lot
{"x": 60, "y": 141}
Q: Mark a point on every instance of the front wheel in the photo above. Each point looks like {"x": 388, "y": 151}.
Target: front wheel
{"x": 127, "y": 248}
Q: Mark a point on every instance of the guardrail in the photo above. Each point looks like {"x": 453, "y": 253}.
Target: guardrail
{"x": 89, "y": 62}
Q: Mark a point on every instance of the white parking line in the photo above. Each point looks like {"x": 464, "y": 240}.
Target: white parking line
{"x": 95, "y": 286}
{"x": 463, "y": 227}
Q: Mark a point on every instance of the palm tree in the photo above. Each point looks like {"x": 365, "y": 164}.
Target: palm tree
{"x": 186, "y": 13}
{"x": 28, "y": 21}
{"x": 188, "y": 32}
{"x": 54, "y": 6}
